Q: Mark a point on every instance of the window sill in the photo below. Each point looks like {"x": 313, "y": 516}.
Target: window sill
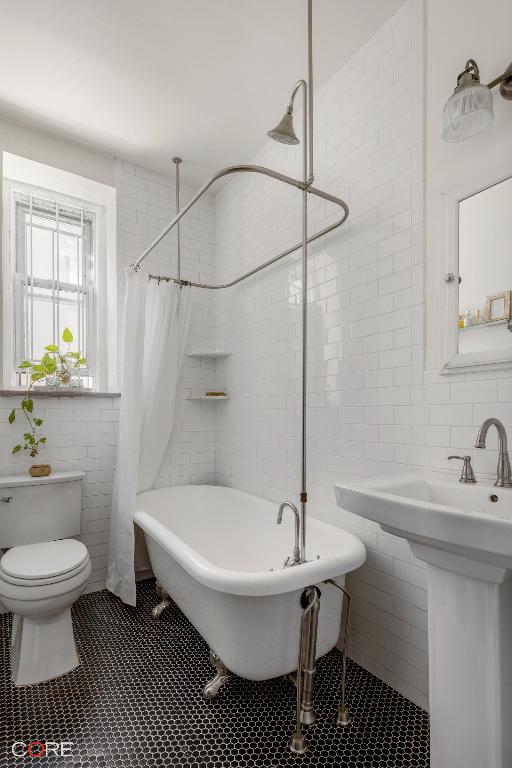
{"x": 16, "y": 392}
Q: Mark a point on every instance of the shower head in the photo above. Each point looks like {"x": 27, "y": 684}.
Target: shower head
{"x": 283, "y": 132}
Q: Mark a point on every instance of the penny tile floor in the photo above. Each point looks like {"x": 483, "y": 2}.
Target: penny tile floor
{"x": 136, "y": 701}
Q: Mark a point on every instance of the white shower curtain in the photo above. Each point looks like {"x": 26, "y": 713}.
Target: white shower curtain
{"x": 157, "y": 318}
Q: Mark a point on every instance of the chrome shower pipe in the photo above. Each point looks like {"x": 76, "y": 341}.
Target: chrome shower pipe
{"x": 177, "y": 161}
{"x": 307, "y": 179}
{"x": 310, "y": 89}
{"x": 306, "y": 141}
{"x": 303, "y": 489}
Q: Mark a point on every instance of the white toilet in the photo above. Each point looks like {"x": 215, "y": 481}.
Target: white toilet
{"x": 43, "y": 572}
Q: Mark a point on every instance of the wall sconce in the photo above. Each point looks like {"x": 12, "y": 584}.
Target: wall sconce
{"x": 469, "y": 109}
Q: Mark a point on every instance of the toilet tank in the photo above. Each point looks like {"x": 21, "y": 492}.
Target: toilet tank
{"x": 35, "y": 509}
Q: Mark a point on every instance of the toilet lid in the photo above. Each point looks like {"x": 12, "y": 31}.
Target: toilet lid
{"x": 45, "y": 560}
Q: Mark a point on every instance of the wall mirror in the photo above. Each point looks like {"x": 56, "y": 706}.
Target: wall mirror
{"x": 478, "y": 272}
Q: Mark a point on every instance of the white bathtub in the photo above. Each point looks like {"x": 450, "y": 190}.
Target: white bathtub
{"x": 213, "y": 549}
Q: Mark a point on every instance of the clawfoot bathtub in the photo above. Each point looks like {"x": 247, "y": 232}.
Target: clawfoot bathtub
{"x": 219, "y": 553}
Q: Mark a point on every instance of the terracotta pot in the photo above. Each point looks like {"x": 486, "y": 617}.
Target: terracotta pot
{"x": 40, "y": 470}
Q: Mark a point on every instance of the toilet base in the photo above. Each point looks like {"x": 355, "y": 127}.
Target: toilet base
{"x": 42, "y": 647}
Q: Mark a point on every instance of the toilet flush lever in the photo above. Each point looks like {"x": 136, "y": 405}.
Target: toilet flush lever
{"x": 7, "y": 498}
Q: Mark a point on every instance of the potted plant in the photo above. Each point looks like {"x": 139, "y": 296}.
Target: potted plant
{"x": 66, "y": 361}
{"x": 53, "y": 363}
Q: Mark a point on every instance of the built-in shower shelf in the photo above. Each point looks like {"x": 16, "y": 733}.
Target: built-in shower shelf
{"x": 212, "y": 353}
{"x": 209, "y": 397}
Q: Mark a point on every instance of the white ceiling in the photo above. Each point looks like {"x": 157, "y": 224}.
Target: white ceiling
{"x": 148, "y": 79}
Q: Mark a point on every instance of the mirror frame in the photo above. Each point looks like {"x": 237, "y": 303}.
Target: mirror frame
{"x": 456, "y": 362}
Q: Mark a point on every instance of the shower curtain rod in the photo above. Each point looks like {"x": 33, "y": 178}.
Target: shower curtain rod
{"x": 303, "y": 186}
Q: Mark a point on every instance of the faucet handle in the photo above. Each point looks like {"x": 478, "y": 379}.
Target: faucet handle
{"x": 467, "y": 474}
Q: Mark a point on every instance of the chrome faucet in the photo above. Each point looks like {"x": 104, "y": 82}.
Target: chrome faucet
{"x": 295, "y": 557}
{"x": 504, "y": 473}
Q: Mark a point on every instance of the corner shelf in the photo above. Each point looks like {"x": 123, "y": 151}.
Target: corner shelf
{"x": 209, "y": 353}
{"x": 209, "y": 397}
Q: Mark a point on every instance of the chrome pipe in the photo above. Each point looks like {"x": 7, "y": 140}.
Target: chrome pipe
{"x": 307, "y": 705}
{"x": 343, "y": 716}
{"x": 303, "y": 491}
{"x": 307, "y": 140}
{"x": 298, "y": 743}
{"x": 311, "y": 175}
{"x": 177, "y": 161}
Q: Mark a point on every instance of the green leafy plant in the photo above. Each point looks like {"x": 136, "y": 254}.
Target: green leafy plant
{"x": 53, "y": 362}
{"x": 67, "y": 360}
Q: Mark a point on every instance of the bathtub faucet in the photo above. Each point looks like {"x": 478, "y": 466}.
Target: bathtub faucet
{"x": 295, "y": 557}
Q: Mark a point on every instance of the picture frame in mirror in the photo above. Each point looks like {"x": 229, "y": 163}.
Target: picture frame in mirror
{"x": 497, "y": 307}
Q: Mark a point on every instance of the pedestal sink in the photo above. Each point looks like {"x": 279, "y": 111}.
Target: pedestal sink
{"x": 464, "y": 534}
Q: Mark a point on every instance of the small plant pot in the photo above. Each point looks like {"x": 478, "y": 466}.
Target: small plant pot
{"x": 40, "y": 470}
{"x": 64, "y": 378}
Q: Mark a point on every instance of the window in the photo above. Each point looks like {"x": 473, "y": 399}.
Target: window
{"x": 58, "y": 269}
{"x": 54, "y": 247}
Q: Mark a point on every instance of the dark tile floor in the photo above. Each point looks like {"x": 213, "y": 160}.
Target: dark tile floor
{"x": 136, "y": 701}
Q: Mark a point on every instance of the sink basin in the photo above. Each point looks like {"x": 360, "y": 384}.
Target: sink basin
{"x": 473, "y": 522}
{"x": 464, "y": 534}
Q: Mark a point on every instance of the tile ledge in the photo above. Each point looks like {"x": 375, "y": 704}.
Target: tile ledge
{"x": 57, "y": 393}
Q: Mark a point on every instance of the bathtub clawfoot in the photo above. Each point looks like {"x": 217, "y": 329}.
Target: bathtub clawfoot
{"x": 212, "y": 688}
{"x": 164, "y": 603}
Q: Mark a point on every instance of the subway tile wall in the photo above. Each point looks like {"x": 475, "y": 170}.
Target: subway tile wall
{"x": 81, "y": 431}
{"x": 368, "y": 411}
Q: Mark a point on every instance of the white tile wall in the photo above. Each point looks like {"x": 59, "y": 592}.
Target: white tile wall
{"x": 368, "y": 411}
{"x": 82, "y": 432}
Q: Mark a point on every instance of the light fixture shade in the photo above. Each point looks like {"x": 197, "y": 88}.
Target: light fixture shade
{"x": 284, "y": 132}
{"x": 468, "y": 111}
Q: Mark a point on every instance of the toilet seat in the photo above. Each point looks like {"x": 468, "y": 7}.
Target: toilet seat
{"x": 50, "y": 562}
